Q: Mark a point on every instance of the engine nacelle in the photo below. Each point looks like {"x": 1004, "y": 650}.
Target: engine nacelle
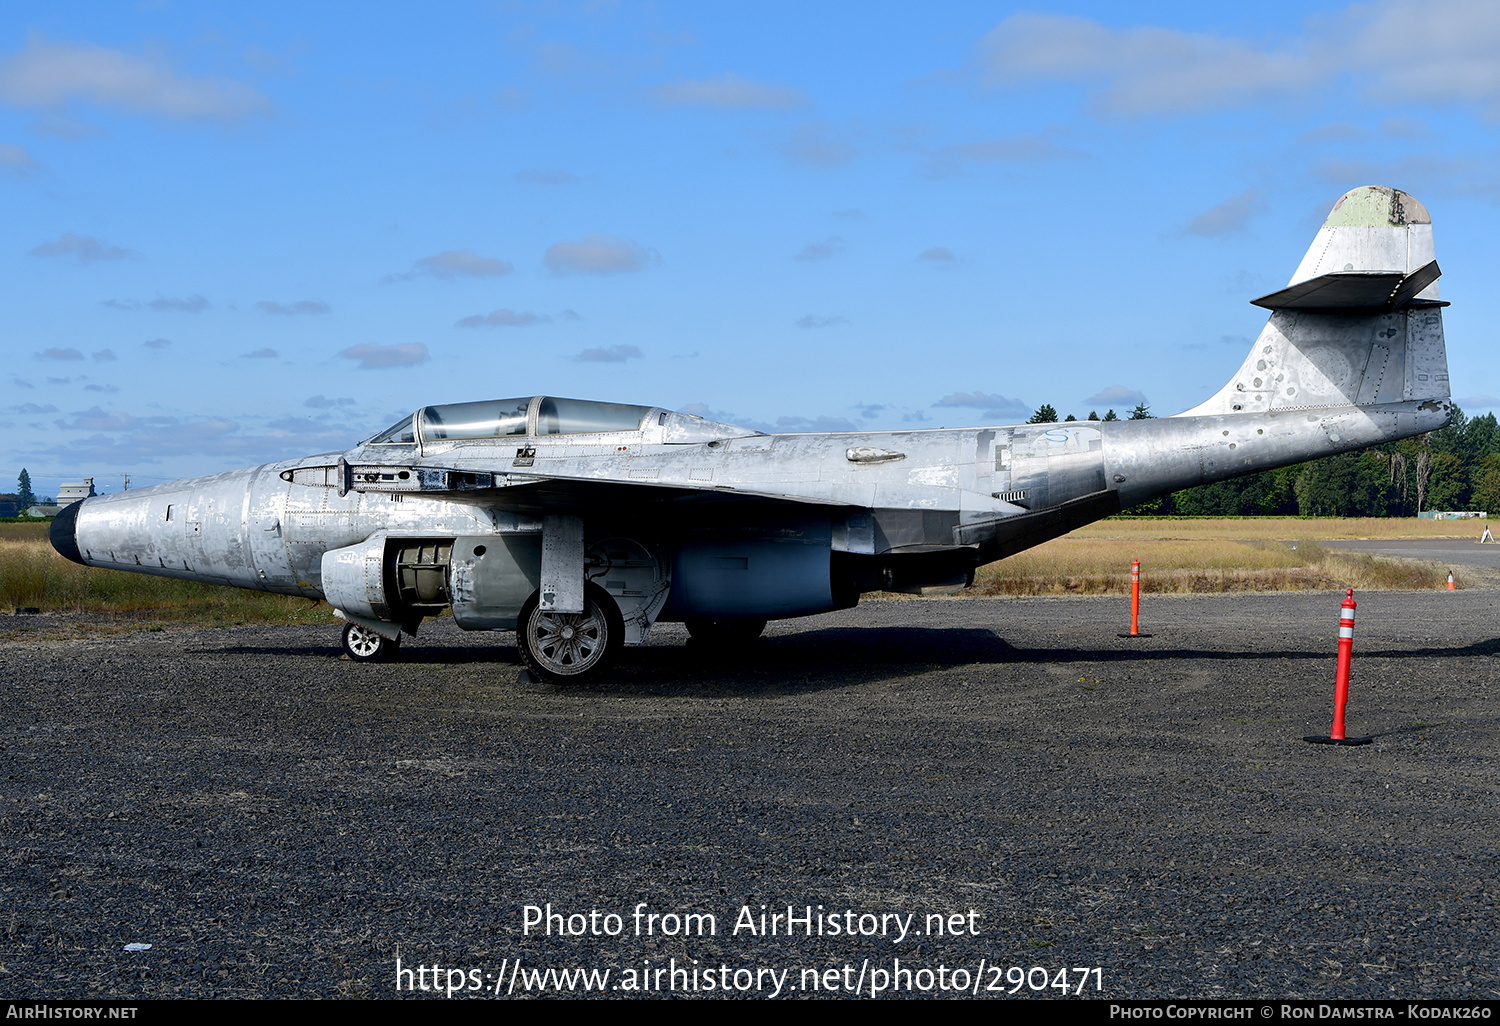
{"x": 354, "y": 579}
{"x": 385, "y": 578}
{"x": 486, "y": 579}
{"x": 764, "y": 575}
{"x": 490, "y": 579}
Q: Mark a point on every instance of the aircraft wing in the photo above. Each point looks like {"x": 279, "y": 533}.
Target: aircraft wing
{"x": 560, "y": 489}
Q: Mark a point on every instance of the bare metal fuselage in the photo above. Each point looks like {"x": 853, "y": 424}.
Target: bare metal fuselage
{"x": 679, "y": 518}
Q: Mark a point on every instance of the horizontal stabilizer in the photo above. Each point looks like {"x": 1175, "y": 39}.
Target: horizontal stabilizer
{"x": 1353, "y": 290}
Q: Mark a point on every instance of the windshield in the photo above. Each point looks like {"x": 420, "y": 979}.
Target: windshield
{"x": 398, "y": 433}
{"x": 494, "y": 418}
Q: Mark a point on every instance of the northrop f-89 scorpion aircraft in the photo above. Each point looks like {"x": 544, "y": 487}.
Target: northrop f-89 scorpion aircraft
{"x": 580, "y": 524}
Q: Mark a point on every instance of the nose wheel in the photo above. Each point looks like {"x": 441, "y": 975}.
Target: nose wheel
{"x": 567, "y": 647}
{"x": 366, "y": 646}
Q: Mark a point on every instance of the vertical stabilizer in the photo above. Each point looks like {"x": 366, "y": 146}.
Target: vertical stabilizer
{"x": 1372, "y": 228}
{"x": 1359, "y": 324}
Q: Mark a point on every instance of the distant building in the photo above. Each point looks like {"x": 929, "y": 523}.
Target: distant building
{"x": 66, "y": 496}
{"x": 1453, "y": 514}
{"x": 71, "y": 493}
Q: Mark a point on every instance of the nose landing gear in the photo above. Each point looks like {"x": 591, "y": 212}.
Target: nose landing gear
{"x": 365, "y": 646}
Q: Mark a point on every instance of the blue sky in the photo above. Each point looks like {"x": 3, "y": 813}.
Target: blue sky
{"x": 237, "y": 233}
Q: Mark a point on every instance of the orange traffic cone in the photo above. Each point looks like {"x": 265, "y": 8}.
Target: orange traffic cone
{"x": 1451, "y": 585}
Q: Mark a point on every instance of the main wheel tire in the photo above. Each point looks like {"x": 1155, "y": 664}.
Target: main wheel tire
{"x": 567, "y": 647}
{"x": 725, "y": 633}
{"x": 365, "y": 646}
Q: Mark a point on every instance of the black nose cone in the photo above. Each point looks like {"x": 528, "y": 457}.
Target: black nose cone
{"x": 64, "y": 533}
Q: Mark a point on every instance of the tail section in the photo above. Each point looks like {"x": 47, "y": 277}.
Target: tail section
{"x": 1352, "y": 357}
{"x": 1360, "y": 323}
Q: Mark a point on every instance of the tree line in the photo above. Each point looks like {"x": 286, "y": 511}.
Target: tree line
{"x": 16, "y": 503}
{"x": 1455, "y": 468}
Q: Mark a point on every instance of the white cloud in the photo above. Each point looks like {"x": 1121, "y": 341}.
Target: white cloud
{"x": 512, "y": 98}
{"x": 460, "y": 263}
{"x": 501, "y": 318}
{"x": 1140, "y": 70}
{"x": 104, "y": 356}
{"x": 320, "y": 402}
{"x": 1117, "y": 395}
{"x": 122, "y": 438}
{"x": 1438, "y": 50}
{"x": 822, "y": 250}
{"x": 16, "y": 161}
{"x": 611, "y": 354}
{"x": 1405, "y": 128}
{"x": 156, "y": 343}
{"x": 1228, "y": 217}
{"x": 171, "y": 304}
{"x": 728, "y": 92}
{"x": 819, "y": 144}
{"x": 96, "y": 419}
{"x": 994, "y": 405}
{"x": 707, "y": 413}
{"x": 85, "y": 248}
{"x": 59, "y": 354}
{"x": 378, "y": 357}
{"x": 819, "y": 424}
{"x": 597, "y": 253}
{"x": 1015, "y": 149}
{"x": 816, "y": 321}
{"x": 65, "y": 127}
{"x": 1420, "y": 173}
{"x": 303, "y": 306}
{"x": 1334, "y": 131}
{"x": 938, "y": 254}
{"x": 261, "y": 354}
{"x": 46, "y": 76}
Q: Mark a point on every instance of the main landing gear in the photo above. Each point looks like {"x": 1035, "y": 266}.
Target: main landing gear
{"x": 566, "y": 647}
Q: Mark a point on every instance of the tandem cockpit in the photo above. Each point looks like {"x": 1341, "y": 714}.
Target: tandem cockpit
{"x": 545, "y": 416}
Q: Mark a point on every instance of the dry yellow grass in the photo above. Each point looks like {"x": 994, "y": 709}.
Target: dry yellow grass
{"x": 1279, "y": 528}
{"x": 33, "y": 575}
{"x": 1095, "y": 566}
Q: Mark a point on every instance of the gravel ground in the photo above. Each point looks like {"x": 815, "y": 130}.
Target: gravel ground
{"x": 278, "y": 822}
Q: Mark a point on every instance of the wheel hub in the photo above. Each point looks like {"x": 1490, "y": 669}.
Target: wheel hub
{"x": 568, "y": 644}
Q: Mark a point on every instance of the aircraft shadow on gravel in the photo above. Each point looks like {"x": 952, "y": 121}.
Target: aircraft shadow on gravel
{"x": 826, "y": 660}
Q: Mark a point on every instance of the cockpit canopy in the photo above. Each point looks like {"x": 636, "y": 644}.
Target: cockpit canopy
{"x": 500, "y": 418}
